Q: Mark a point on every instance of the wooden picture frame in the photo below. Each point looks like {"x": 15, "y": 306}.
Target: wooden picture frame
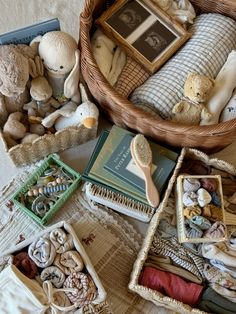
{"x": 146, "y": 32}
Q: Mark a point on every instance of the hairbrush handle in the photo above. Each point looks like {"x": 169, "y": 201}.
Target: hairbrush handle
{"x": 152, "y": 193}
{"x": 139, "y": 145}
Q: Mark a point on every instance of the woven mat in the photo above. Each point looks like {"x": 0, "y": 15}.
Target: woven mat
{"x": 110, "y": 242}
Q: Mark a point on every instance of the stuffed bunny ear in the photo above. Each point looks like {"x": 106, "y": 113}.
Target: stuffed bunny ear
{"x": 36, "y": 67}
{"x": 71, "y": 85}
{"x": 34, "y": 44}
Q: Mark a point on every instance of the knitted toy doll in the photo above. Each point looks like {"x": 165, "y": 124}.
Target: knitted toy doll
{"x": 60, "y": 55}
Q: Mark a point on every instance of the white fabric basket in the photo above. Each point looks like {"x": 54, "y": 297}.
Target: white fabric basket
{"x": 101, "y": 295}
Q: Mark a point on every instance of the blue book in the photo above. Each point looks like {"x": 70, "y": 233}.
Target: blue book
{"x": 26, "y": 34}
{"x": 122, "y": 165}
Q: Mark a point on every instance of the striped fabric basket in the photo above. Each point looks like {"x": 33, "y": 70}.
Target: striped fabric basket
{"x": 123, "y": 112}
{"x": 168, "y": 205}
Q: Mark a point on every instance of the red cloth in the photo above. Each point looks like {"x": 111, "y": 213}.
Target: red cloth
{"x": 171, "y": 285}
{"x": 26, "y": 265}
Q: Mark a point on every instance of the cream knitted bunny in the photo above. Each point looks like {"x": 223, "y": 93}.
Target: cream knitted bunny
{"x": 60, "y": 55}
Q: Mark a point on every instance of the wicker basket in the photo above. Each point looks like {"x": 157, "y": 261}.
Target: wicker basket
{"x": 150, "y": 294}
{"x": 123, "y": 113}
{"x": 27, "y": 153}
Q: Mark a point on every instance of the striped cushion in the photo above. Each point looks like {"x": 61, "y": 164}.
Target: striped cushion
{"x": 213, "y": 38}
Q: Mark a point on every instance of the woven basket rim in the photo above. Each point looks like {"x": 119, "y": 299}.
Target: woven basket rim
{"x": 225, "y": 129}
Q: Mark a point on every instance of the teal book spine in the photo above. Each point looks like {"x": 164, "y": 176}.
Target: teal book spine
{"x": 26, "y": 34}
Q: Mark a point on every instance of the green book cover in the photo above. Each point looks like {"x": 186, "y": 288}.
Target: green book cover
{"x": 99, "y": 173}
{"x": 86, "y": 174}
{"x": 122, "y": 165}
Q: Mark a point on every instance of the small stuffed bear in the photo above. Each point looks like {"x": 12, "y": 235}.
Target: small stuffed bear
{"x": 191, "y": 109}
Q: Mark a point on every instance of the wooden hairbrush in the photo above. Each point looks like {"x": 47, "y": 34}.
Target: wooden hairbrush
{"x": 142, "y": 155}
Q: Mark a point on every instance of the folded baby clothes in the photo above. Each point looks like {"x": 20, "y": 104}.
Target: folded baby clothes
{"x": 179, "y": 255}
{"x": 192, "y": 230}
{"x": 63, "y": 242}
{"x": 221, "y": 252}
{"x": 225, "y": 292}
{"x": 227, "y": 269}
{"x": 42, "y": 252}
{"x": 69, "y": 262}
{"x": 191, "y": 184}
{"x": 165, "y": 263}
{"x": 216, "y": 231}
{"x": 53, "y": 274}
{"x": 84, "y": 288}
{"x": 202, "y": 54}
{"x": 212, "y": 302}
{"x": 201, "y": 222}
{"x": 171, "y": 285}
{"x": 214, "y": 275}
{"x": 103, "y": 51}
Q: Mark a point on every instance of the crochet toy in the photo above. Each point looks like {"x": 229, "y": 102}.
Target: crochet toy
{"x": 60, "y": 55}
{"x": 191, "y": 110}
{"x": 42, "y": 103}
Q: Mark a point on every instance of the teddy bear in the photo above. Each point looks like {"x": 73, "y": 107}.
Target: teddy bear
{"x": 191, "y": 109}
{"x": 14, "y": 75}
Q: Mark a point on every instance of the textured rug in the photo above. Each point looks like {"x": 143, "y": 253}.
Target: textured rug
{"x": 110, "y": 241}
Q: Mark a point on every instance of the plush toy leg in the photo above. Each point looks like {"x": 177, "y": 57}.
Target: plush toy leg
{"x": 205, "y": 115}
{"x": 179, "y": 107}
{"x": 3, "y": 112}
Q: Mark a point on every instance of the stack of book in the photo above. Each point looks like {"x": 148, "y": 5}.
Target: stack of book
{"x": 111, "y": 167}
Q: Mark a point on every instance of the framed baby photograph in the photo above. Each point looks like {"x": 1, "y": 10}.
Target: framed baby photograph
{"x": 146, "y": 32}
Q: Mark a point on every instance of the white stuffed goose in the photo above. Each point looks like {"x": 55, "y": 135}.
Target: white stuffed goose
{"x": 70, "y": 114}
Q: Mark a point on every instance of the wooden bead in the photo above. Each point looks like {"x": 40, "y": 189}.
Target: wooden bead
{"x": 35, "y": 192}
{"x": 40, "y": 190}
{"x": 30, "y": 193}
{"x": 58, "y": 180}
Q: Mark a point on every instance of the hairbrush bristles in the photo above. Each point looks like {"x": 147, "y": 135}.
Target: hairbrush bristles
{"x": 142, "y": 150}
